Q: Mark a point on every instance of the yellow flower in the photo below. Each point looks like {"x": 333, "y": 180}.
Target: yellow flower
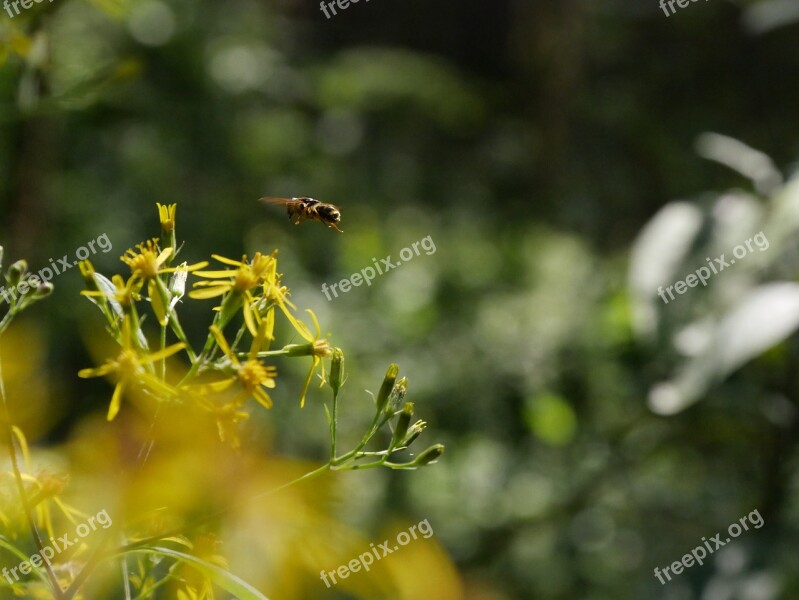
{"x": 124, "y": 292}
{"x": 44, "y": 488}
{"x": 315, "y": 348}
{"x": 277, "y": 294}
{"x": 148, "y": 262}
{"x": 252, "y": 374}
{"x": 228, "y": 416}
{"x": 166, "y": 215}
{"x": 240, "y": 281}
{"x": 128, "y": 368}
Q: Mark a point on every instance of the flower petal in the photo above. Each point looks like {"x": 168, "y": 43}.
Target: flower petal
{"x": 307, "y": 383}
{"x": 97, "y": 372}
{"x": 215, "y": 274}
{"x": 169, "y": 351}
{"x": 262, "y": 397}
{"x": 227, "y": 261}
{"x": 246, "y": 309}
{"x": 165, "y": 254}
{"x": 157, "y": 302}
{"x": 116, "y": 400}
{"x": 222, "y": 343}
{"x": 205, "y": 294}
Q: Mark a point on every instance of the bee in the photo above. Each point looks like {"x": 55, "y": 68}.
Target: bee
{"x": 308, "y": 209}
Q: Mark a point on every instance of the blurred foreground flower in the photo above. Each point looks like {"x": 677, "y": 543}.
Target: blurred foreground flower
{"x": 216, "y": 381}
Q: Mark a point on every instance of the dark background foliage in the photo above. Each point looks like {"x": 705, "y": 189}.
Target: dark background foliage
{"x": 532, "y": 140}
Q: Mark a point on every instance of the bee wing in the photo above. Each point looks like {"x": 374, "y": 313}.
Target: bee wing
{"x": 281, "y": 201}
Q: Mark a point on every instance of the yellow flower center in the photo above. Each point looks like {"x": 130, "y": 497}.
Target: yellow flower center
{"x": 321, "y": 348}
{"x": 261, "y": 264}
{"x": 253, "y": 373}
{"x": 245, "y": 280}
{"x": 52, "y": 485}
{"x": 145, "y": 261}
{"x": 127, "y": 363}
{"x": 250, "y": 275}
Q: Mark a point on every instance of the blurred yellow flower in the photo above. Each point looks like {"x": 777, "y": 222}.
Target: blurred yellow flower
{"x": 252, "y": 374}
{"x": 128, "y": 368}
{"x": 125, "y": 292}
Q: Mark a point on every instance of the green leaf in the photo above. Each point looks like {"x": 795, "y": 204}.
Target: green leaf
{"x": 224, "y": 579}
{"x": 4, "y": 543}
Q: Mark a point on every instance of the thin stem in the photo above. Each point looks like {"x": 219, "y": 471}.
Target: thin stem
{"x": 12, "y": 450}
{"x": 84, "y": 573}
{"x": 198, "y": 361}
{"x": 238, "y": 337}
{"x": 179, "y": 531}
{"x": 147, "y": 592}
{"x": 162, "y": 362}
{"x": 174, "y": 323}
{"x": 126, "y": 577}
{"x": 361, "y": 467}
{"x": 334, "y": 428}
{"x": 377, "y": 423}
{"x": 6, "y": 320}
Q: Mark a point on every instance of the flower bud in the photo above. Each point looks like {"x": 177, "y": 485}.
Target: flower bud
{"x": 403, "y": 422}
{"x": 414, "y": 431}
{"x": 166, "y": 216}
{"x": 16, "y": 271}
{"x": 337, "y": 370}
{"x": 388, "y": 385}
{"x": 429, "y": 456}
{"x": 43, "y": 290}
{"x": 177, "y": 285}
{"x": 397, "y": 395}
{"x": 1, "y": 256}
{"x": 87, "y": 272}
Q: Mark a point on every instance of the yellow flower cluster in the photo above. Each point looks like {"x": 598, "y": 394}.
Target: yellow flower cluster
{"x": 219, "y": 378}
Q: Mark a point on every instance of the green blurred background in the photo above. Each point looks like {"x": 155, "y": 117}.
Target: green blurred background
{"x": 533, "y": 141}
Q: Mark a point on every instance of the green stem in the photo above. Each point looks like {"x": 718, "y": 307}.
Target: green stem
{"x": 147, "y": 592}
{"x": 334, "y": 428}
{"x": 209, "y": 344}
{"x": 377, "y": 423}
{"x": 87, "y": 569}
{"x": 174, "y": 323}
{"x": 12, "y": 451}
{"x": 181, "y": 531}
{"x": 372, "y": 465}
{"x": 163, "y": 360}
{"x": 239, "y": 335}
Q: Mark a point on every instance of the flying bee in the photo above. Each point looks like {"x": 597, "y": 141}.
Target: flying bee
{"x": 308, "y": 209}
